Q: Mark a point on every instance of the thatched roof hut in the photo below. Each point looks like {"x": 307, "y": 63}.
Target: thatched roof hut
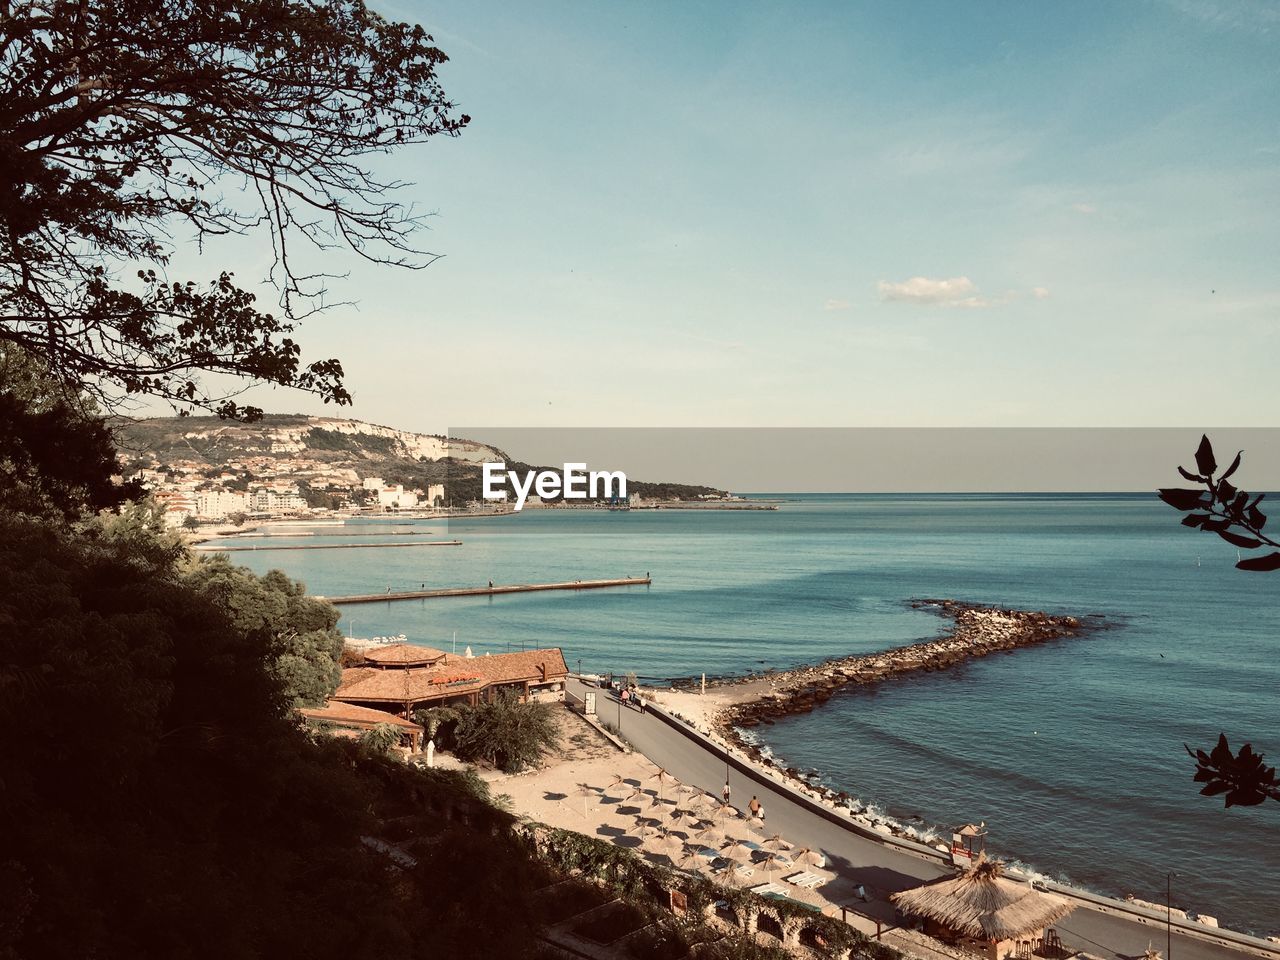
{"x": 984, "y": 905}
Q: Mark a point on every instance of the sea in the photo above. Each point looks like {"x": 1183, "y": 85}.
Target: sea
{"x": 1071, "y": 753}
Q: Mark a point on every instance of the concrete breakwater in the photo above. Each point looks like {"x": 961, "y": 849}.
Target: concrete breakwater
{"x": 976, "y": 631}
{"x": 490, "y": 590}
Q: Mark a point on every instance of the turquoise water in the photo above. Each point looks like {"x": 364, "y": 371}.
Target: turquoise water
{"x": 1071, "y": 753}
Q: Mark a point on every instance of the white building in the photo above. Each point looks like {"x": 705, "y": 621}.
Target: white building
{"x": 269, "y": 501}
{"x": 217, "y": 504}
{"x": 435, "y": 494}
{"x": 397, "y": 496}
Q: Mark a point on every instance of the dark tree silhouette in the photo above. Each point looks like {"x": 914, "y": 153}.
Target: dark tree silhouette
{"x": 1233, "y": 514}
{"x": 125, "y": 123}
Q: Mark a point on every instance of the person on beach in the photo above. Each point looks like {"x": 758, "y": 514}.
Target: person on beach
{"x": 725, "y": 793}
{"x": 754, "y": 806}
{"x": 759, "y": 811}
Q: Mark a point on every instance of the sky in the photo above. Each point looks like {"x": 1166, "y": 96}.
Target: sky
{"x": 810, "y": 215}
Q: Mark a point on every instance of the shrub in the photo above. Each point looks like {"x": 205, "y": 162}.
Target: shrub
{"x": 506, "y": 733}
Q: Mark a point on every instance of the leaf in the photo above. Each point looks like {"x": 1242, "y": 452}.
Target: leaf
{"x": 1188, "y": 475}
{"x": 1263, "y": 564}
{"x": 1194, "y": 519}
{"x": 1205, "y": 462}
{"x": 1236, "y": 540}
{"x": 1181, "y": 499}
{"x": 1235, "y": 465}
{"x": 1226, "y": 492}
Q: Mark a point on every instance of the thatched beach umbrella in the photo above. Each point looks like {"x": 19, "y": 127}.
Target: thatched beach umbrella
{"x": 584, "y": 791}
{"x": 984, "y": 905}
{"x": 702, "y": 801}
{"x": 687, "y": 790}
{"x": 770, "y": 863}
{"x": 737, "y": 850}
{"x": 725, "y": 810}
{"x": 775, "y": 844}
{"x": 808, "y": 857}
{"x": 663, "y": 779}
{"x": 709, "y": 833}
{"x": 729, "y": 874}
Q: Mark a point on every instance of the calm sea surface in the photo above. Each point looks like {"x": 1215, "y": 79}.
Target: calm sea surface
{"x": 1071, "y": 753}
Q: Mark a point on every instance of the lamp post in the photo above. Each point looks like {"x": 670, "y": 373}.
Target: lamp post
{"x": 579, "y": 668}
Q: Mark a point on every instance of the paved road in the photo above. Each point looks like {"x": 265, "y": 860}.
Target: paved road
{"x": 880, "y": 868}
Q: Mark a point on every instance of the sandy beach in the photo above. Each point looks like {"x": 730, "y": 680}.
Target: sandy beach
{"x": 593, "y": 787}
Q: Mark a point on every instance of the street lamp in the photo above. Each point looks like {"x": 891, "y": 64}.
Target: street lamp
{"x": 579, "y": 668}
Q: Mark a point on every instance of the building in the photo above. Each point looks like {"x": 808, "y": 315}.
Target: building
{"x": 435, "y": 494}
{"x": 403, "y": 677}
{"x": 346, "y": 720}
{"x": 985, "y": 913}
{"x": 397, "y": 497}
{"x": 272, "y": 501}
{"x": 177, "y": 506}
{"x": 217, "y": 504}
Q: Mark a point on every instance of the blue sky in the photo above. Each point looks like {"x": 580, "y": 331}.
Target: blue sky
{"x": 906, "y": 214}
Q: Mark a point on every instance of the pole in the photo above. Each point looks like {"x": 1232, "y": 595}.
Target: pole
{"x": 1168, "y": 917}
{"x": 455, "y": 643}
{"x": 579, "y": 668}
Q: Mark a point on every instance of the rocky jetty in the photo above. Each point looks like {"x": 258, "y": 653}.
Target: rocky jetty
{"x": 976, "y": 631}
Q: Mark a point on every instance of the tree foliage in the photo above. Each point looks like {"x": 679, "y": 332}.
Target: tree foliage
{"x": 126, "y": 123}
{"x": 1223, "y": 509}
{"x": 506, "y": 733}
{"x": 170, "y": 806}
{"x": 1233, "y": 514}
{"x": 1243, "y": 778}
{"x": 56, "y": 455}
{"x": 300, "y": 632}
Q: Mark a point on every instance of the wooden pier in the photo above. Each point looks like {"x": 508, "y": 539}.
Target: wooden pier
{"x": 322, "y": 546}
{"x": 491, "y": 590}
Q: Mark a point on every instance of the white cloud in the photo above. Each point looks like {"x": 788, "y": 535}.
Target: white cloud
{"x": 1085, "y": 208}
{"x": 1040, "y": 293}
{"x": 837, "y": 305}
{"x": 955, "y": 292}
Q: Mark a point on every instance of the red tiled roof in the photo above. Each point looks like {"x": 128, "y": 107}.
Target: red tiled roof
{"x": 452, "y": 676}
{"x": 403, "y": 654}
{"x": 536, "y": 666}
{"x": 346, "y": 713}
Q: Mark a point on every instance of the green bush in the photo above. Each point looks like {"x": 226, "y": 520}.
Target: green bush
{"x": 506, "y": 733}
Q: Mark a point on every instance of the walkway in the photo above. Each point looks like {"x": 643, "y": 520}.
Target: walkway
{"x": 881, "y": 868}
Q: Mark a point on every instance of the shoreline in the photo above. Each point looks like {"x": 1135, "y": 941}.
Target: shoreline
{"x": 733, "y": 707}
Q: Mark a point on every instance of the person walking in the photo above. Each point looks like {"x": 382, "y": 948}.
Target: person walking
{"x": 754, "y": 806}
{"x": 725, "y": 792}
{"x": 760, "y": 811}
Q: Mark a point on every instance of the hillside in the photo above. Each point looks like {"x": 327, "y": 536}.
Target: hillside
{"x": 350, "y": 443}
{"x": 324, "y": 454}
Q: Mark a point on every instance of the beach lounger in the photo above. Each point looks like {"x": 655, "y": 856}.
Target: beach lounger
{"x": 767, "y": 888}
{"x": 805, "y": 879}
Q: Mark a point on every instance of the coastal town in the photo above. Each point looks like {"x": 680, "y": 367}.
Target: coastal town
{"x": 681, "y": 481}
{"x": 311, "y": 468}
